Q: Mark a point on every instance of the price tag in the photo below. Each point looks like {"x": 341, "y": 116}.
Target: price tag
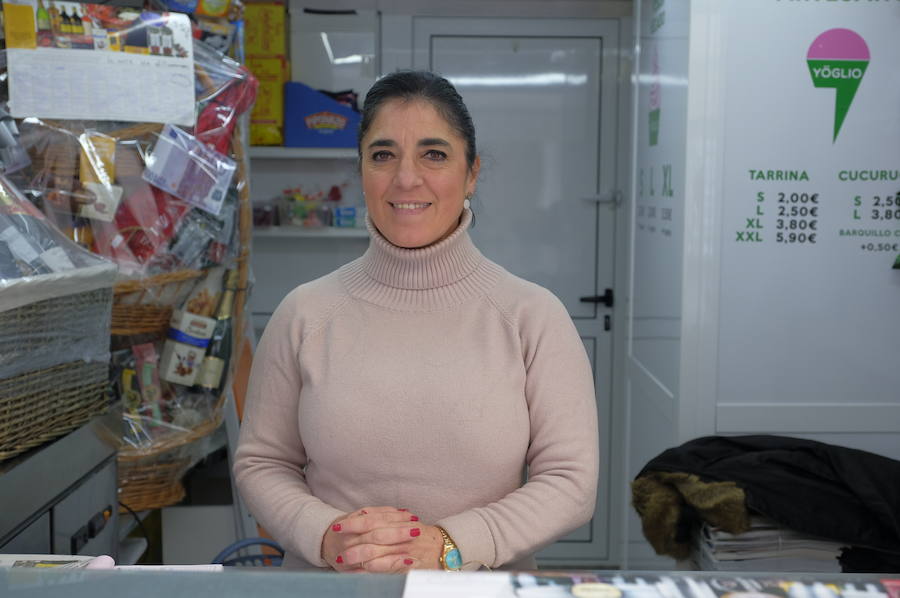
{"x": 105, "y": 204}
{"x": 57, "y": 259}
{"x": 18, "y": 245}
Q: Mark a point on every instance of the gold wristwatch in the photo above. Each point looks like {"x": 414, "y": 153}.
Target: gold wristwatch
{"x": 450, "y": 558}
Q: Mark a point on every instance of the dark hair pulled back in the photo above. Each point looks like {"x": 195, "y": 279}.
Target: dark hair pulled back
{"x": 420, "y": 85}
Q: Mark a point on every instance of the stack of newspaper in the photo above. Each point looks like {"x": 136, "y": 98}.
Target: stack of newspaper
{"x": 766, "y": 546}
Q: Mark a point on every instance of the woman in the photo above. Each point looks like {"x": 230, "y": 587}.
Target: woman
{"x": 394, "y": 404}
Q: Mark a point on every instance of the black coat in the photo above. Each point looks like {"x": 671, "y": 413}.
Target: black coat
{"x": 835, "y": 492}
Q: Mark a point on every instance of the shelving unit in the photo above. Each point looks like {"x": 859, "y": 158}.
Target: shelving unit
{"x": 286, "y": 232}
{"x": 285, "y": 153}
{"x": 285, "y": 256}
{"x": 305, "y": 153}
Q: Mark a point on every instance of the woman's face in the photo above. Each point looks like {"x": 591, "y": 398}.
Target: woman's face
{"x": 414, "y": 173}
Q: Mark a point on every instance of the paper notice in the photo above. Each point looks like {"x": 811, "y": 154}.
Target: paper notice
{"x": 113, "y": 74}
{"x": 444, "y": 584}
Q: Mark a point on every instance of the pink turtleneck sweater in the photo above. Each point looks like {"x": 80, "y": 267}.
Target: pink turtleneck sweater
{"x": 426, "y": 379}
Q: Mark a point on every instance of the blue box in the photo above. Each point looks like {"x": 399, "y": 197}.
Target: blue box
{"x": 345, "y": 217}
{"x": 312, "y": 119}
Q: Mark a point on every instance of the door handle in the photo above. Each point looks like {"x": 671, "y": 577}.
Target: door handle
{"x": 614, "y": 198}
{"x": 606, "y": 298}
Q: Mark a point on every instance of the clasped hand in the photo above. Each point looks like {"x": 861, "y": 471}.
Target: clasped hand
{"x": 381, "y": 540}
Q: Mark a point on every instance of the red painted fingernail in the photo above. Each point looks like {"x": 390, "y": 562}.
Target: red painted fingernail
{"x": 407, "y": 561}
{"x": 336, "y": 527}
{"x": 415, "y": 532}
{"x": 414, "y": 518}
{"x": 364, "y": 512}
{"x": 402, "y": 509}
{"x": 339, "y": 559}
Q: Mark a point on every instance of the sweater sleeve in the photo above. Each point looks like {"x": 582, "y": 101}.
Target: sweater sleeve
{"x": 270, "y": 458}
{"x": 563, "y": 453}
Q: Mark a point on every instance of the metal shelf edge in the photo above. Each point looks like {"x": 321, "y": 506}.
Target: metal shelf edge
{"x": 280, "y": 152}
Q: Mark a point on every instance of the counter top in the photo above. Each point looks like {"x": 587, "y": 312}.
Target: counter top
{"x": 271, "y": 583}
{"x": 233, "y": 582}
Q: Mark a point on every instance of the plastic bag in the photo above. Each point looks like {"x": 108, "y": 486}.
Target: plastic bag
{"x": 154, "y": 413}
{"x": 90, "y": 178}
{"x": 55, "y": 297}
{"x": 31, "y": 246}
{"x": 225, "y": 90}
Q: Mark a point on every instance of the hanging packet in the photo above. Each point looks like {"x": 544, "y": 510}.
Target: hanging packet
{"x": 189, "y": 170}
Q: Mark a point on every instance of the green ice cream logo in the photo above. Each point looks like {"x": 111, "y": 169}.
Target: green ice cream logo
{"x": 655, "y": 100}
{"x": 838, "y": 58}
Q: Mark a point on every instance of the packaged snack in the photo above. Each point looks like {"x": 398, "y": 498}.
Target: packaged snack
{"x": 264, "y": 29}
{"x": 183, "y": 351}
{"x": 205, "y": 296}
{"x": 190, "y": 330}
{"x": 147, "y": 364}
{"x": 267, "y": 116}
{"x": 213, "y": 8}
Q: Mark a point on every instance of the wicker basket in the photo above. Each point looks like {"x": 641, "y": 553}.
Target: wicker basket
{"x": 142, "y": 306}
{"x": 39, "y": 406}
{"x": 137, "y": 308}
{"x": 54, "y": 365}
{"x": 151, "y": 485}
{"x": 46, "y": 333}
{"x": 150, "y": 477}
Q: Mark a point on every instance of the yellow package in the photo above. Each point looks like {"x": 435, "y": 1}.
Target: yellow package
{"x": 19, "y": 26}
{"x": 269, "y": 68}
{"x": 97, "y": 173}
{"x": 265, "y": 135}
{"x": 98, "y": 158}
{"x": 264, "y": 29}
{"x": 267, "y": 116}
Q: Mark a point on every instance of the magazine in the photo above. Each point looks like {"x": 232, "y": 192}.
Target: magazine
{"x": 561, "y": 584}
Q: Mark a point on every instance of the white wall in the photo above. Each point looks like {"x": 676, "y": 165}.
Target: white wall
{"x": 808, "y": 334}
{"x": 795, "y": 339}
{"x": 655, "y": 310}
{"x": 281, "y": 264}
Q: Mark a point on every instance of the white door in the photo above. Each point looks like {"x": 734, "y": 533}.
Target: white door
{"x": 543, "y": 95}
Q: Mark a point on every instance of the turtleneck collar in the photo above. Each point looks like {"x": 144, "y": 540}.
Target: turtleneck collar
{"x": 434, "y": 266}
{"x": 438, "y": 275}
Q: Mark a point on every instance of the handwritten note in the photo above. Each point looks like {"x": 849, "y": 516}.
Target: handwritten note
{"x": 75, "y": 84}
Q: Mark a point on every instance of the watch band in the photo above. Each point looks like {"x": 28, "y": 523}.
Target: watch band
{"x": 450, "y": 557}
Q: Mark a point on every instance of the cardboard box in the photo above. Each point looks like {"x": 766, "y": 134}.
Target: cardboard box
{"x": 265, "y": 29}
{"x": 267, "y": 116}
{"x": 312, "y": 119}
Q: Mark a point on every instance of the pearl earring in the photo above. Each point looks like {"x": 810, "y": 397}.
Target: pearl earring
{"x": 467, "y": 203}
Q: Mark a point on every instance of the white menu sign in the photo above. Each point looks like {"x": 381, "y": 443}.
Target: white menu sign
{"x": 811, "y": 205}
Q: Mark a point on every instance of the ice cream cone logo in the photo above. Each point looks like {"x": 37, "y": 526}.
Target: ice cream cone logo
{"x": 655, "y": 99}
{"x": 838, "y": 58}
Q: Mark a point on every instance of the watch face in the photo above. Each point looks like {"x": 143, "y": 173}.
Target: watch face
{"x": 452, "y": 560}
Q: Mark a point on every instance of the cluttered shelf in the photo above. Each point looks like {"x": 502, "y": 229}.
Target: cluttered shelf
{"x": 281, "y": 152}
